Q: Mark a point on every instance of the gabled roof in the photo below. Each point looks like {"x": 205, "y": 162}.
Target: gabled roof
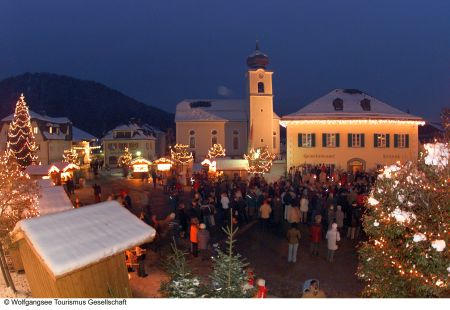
{"x": 81, "y": 135}
{"x": 36, "y": 116}
{"x": 53, "y": 198}
{"x": 73, "y": 239}
{"x": 219, "y": 110}
{"x": 139, "y": 132}
{"x": 323, "y": 108}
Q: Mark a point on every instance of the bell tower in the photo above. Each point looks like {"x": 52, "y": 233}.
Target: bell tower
{"x": 260, "y": 101}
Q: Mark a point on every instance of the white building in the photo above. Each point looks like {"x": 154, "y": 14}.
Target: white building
{"x": 141, "y": 140}
{"x": 236, "y": 124}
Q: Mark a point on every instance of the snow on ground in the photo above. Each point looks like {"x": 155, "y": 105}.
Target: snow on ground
{"x": 21, "y": 284}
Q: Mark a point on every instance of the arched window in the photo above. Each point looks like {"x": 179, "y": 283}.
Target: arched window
{"x": 191, "y": 139}
{"x": 235, "y": 140}
{"x": 213, "y": 140}
{"x": 260, "y": 87}
{"x": 274, "y": 141}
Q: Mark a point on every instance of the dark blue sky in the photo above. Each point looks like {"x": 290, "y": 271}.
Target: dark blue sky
{"x": 160, "y": 52}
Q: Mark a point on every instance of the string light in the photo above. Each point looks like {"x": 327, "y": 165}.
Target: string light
{"x": 180, "y": 154}
{"x": 285, "y": 123}
{"x": 124, "y": 160}
{"x": 215, "y": 151}
{"x": 70, "y": 156}
{"x": 259, "y": 160}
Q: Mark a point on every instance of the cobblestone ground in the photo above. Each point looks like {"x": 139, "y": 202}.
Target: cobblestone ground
{"x": 267, "y": 252}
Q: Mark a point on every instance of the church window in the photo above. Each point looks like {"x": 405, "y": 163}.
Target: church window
{"x": 235, "y": 140}
{"x": 191, "y": 139}
{"x": 260, "y": 87}
{"x": 214, "y": 132}
{"x": 274, "y": 140}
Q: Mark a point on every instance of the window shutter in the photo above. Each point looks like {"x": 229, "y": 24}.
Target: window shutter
{"x": 324, "y": 140}
{"x": 387, "y": 139}
{"x": 337, "y": 140}
{"x": 375, "y": 140}
{"x": 300, "y": 144}
{"x": 362, "y": 140}
{"x": 396, "y": 140}
{"x": 313, "y": 139}
{"x": 407, "y": 141}
{"x": 349, "y": 141}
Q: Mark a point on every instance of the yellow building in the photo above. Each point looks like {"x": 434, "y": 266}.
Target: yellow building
{"x": 352, "y": 131}
{"x": 236, "y": 124}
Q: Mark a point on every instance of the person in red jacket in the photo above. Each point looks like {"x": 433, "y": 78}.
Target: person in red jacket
{"x": 316, "y": 235}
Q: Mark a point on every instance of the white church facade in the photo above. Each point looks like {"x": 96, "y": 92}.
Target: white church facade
{"x": 237, "y": 124}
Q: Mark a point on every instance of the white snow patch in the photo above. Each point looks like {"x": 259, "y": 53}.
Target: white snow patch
{"x": 53, "y": 198}
{"x": 388, "y": 171}
{"x": 419, "y": 237}
{"x": 402, "y": 216}
{"x": 372, "y": 201}
{"x": 437, "y": 154}
{"x": 438, "y": 245}
{"x": 70, "y": 240}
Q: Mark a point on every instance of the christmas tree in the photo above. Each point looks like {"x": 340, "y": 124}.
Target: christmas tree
{"x": 125, "y": 159}
{"x": 215, "y": 151}
{"x": 18, "y": 196}
{"x": 180, "y": 154}
{"x": 21, "y": 144}
{"x": 182, "y": 284}
{"x": 407, "y": 224}
{"x": 70, "y": 156}
{"x": 229, "y": 278}
{"x": 259, "y": 160}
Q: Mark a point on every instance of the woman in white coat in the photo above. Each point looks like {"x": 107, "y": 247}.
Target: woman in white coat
{"x": 333, "y": 237}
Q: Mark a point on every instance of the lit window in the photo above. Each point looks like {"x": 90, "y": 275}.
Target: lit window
{"x": 35, "y": 130}
{"x": 330, "y": 140}
{"x": 50, "y": 130}
{"x": 381, "y": 140}
{"x": 306, "y": 140}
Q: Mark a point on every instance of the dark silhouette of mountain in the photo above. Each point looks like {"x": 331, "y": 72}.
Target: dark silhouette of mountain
{"x": 90, "y": 106}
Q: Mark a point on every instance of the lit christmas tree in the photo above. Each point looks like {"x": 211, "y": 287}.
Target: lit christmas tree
{"x": 180, "y": 154}
{"x": 215, "y": 151}
{"x": 259, "y": 160}
{"x": 70, "y": 156}
{"x": 21, "y": 144}
{"x": 125, "y": 159}
{"x": 18, "y": 196}
{"x": 407, "y": 224}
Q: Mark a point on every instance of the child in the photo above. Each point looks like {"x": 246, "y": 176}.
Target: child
{"x": 333, "y": 237}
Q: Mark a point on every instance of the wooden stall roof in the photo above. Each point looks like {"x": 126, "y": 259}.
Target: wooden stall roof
{"x": 226, "y": 164}
{"x": 72, "y": 240}
{"x": 53, "y": 198}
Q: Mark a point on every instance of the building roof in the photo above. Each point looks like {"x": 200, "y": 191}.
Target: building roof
{"x": 139, "y": 132}
{"x": 45, "y": 118}
{"x": 40, "y": 170}
{"x": 70, "y": 240}
{"x": 81, "y": 135}
{"x": 352, "y": 102}
{"x": 53, "y": 198}
{"x": 212, "y": 110}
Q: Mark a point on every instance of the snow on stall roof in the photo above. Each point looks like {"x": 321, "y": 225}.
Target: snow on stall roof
{"x": 38, "y": 170}
{"x": 53, "y": 198}
{"x": 223, "y": 164}
{"x": 70, "y": 240}
{"x": 196, "y": 110}
{"x": 323, "y": 108}
{"x": 81, "y": 135}
{"x": 45, "y": 118}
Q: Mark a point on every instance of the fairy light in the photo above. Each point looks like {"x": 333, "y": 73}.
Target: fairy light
{"x": 259, "y": 160}
{"x": 124, "y": 160}
{"x": 180, "y": 154}
{"x": 21, "y": 142}
{"x": 70, "y": 156}
{"x": 285, "y": 123}
{"x": 215, "y": 151}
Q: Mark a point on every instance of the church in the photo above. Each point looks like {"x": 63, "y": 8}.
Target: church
{"x": 237, "y": 124}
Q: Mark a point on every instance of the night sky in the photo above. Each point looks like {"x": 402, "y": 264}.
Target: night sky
{"x": 161, "y": 52}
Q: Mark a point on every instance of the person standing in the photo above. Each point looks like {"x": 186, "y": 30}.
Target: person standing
{"x": 140, "y": 254}
{"x": 304, "y": 209}
{"x": 203, "y": 237}
{"x": 264, "y": 214}
{"x": 193, "y": 235}
{"x": 339, "y": 218}
{"x": 333, "y": 237}
{"x": 293, "y": 236}
{"x": 316, "y": 235}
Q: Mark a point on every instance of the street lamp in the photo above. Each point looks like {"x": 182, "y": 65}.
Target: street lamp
{"x": 138, "y": 153}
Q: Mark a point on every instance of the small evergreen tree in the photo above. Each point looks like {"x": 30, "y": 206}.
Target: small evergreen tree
{"x": 182, "y": 284}
{"x": 229, "y": 277}
{"x": 70, "y": 156}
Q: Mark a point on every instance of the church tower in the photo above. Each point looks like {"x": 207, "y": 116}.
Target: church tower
{"x": 260, "y": 101}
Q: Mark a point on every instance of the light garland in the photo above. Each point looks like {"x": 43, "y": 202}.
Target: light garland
{"x": 180, "y": 154}
{"x": 124, "y": 160}
{"x": 215, "y": 151}
{"x": 70, "y": 156}
{"x": 285, "y": 123}
{"x": 21, "y": 142}
{"x": 259, "y": 160}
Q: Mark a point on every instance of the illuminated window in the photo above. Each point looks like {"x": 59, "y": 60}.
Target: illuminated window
{"x": 330, "y": 140}
{"x": 355, "y": 140}
{"x": 35, "y": 130}
{"x": 50, "y": 130}
{"x": 306, "y": 139}
{"x": 260, "y": 87}
{"x": 381, "y": 140}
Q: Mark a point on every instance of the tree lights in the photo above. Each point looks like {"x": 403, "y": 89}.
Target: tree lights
{"x": 21, "y": 144}
{"x": 407, "y": 223}
{"x": 124, "y": 160}
{"x": 215, "y": 151}
{"x": 180, "y": 154}
{"x": 70, "y": 156}
{"x": 259, "y": 160}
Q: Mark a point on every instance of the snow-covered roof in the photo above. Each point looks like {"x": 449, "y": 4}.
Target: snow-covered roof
{"x": 64, "y": 166}
{"x": 54, "y": 136}
{"x": 45, "y": 118}
{"x": 52, "y": 198}
{"x": 350, "y": 107}
{"x": 70, "y": 240}
{"x": 138, "y": 132}
{"x": 223, "y": 164}
{"x": 197, "y": 110}
{"x": 81, "y": 135}
{"x": 38, "y": 170}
